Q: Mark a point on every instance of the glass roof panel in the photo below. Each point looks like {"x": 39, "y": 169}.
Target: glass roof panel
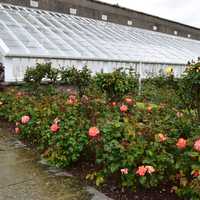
{"x": 41, "y": 33}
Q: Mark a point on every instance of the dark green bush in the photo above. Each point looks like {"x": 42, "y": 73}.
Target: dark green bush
{"x": 161, "y": 89}
{"x": 139, "y": 137}
{"x": 78, "y": 78}
{"x": 41, "y": 72}
{"x": 189, "y": 89}
{"x": 118, "y": 83}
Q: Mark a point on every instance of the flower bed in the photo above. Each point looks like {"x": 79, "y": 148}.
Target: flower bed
{"x": 140, "y": 146}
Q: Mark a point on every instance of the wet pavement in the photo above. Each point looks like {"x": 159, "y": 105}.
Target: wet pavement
{"x": 23, "y": 176}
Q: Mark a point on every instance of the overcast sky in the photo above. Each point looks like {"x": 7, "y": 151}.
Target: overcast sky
{"x": 184, "y": 11}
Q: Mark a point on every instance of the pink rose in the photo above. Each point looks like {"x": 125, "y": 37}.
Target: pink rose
{"x": 25, "y": 119}
{"x": 113, "y": 103}
{"x": 55, "y": 128}
{"x": 19, "y": 94}
{"x": 197, "y": 145}
{"x": 93, "y": 132}
{"x": 123, "y": 108}
{"x": 141, "y": 171}
{"x": 129, "y": 101}
{"x": 181, "y": 144}
{"x": 162, "y": 137}
{"x": 150, "y": 169}
{"x": 149, "y": 109}
{"x": 72, "y": 100}
{"x": 195, "y": 173}
{"x": 17, "y": 130}
{"x": 124, "y": 171}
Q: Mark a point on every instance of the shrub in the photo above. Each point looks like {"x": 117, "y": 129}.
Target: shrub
{"x": 189, "y": 89}
{"x": 161, "y": 89}
{"x": 41, "y": 72}
{"x": 140, "y": 145}
{"x": 118, "y": 83}
{"x": 78, "y": 78}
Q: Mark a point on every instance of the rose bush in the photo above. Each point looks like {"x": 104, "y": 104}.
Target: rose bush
{"x": 139, "y": 146}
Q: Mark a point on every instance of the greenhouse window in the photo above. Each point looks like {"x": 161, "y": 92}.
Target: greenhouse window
{"x": 130, "y": 22}
{"x": 175, "y": 32}
{"x": 34, "y": 4}
{"x": 155, "y": 28}
{"x": 72, "y": 11}
{"x": 104, "y": 17}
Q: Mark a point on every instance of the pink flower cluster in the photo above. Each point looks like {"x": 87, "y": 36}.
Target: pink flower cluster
{"x": 24, "y": 120}
{"x": 182, "y": 143}
{"x": 142, "y": 170}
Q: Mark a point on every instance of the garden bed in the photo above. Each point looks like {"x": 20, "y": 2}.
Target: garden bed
{"x": 109, "y": 142}
{"x": 114, "y": 191}
{"x": 109, "y": 135}
{"x": 111, "y": 188}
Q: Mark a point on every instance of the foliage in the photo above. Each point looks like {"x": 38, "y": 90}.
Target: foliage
{"x": 79, "y": 78}
{"x": 124, "y": 143}
{"x": 118, "y": 83}
{"x": 189, "y": 89}
{"x": 41, "y": 72}
{"x": 165, "y": 86}
{"x": 139, "y": 144}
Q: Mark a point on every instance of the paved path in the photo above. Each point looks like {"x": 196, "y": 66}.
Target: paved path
{"x": 22, "y": 177}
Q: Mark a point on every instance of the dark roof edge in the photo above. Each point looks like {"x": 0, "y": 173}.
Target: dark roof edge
{"x": 139, "y": 12}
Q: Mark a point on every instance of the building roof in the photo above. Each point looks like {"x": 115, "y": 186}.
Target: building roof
{"x": 143, "y": 13}
{"x": 29, "y": 32}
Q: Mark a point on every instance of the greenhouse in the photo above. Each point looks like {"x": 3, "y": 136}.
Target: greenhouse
{"x": 30, "y": 36}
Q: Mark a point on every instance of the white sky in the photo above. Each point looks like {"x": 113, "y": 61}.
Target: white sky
{"x": 184, "y": 11}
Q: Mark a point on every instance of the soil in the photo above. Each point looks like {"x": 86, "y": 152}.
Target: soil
{"x": 112, "y": 190}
